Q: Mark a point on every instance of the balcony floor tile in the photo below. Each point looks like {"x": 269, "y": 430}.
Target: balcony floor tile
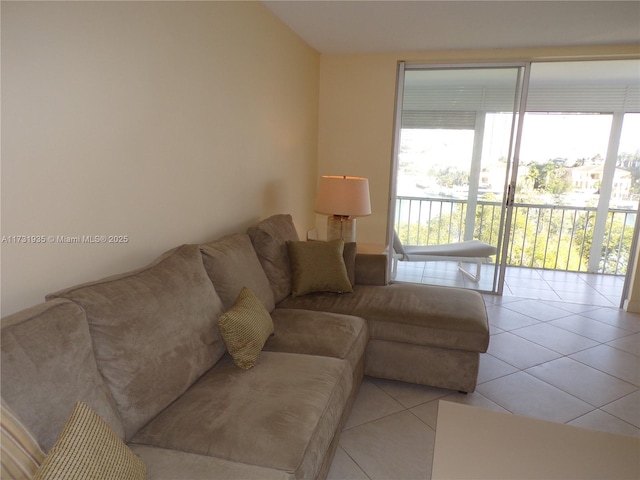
{"x": 569, "y": 289}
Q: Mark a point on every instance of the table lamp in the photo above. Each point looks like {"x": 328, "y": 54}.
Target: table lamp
{"x": 343, "y": 198}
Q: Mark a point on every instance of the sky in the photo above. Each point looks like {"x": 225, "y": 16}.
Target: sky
{"x": 545, "y": 137}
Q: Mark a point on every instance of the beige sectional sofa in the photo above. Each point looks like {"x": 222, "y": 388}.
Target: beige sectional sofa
{"x": 144, "y": 351}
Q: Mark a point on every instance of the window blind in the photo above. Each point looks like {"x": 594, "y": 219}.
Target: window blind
{"x": 451, "y": 98}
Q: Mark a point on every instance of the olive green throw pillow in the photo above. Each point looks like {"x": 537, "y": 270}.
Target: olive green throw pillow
{"x": 88, "y": 448}
{"x": 318, "y": 267}
{"x": 245, "y": 328}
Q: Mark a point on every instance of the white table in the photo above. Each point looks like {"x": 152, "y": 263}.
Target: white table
{"x": 474, "y": 443}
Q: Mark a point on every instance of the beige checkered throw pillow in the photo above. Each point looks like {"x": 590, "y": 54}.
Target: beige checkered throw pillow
{"x": 245, "y": 328}
{"x": 88, "y": 448}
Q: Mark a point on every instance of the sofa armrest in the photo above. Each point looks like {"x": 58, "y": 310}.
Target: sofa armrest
{"x": 372, "y": 269}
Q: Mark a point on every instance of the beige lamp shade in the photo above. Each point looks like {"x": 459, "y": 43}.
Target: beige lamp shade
{"x": 343, "y": 196}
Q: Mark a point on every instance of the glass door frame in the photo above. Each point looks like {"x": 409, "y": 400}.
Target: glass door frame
{"x": 519, "y": 104}
{"x": 512, "y": 178}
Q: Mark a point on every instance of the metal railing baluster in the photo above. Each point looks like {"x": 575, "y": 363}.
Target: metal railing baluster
{"x": 417, "y": 216}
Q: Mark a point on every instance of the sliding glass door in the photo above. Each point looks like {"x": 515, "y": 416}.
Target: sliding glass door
{"x": 578, "y": 181}
{"x": 455, "y": 140}
{"x": 540, "y": 161}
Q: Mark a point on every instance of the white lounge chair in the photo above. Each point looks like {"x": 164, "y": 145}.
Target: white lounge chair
{"x": 470, "y": 251}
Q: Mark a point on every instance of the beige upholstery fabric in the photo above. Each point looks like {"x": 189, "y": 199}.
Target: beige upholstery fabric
{"x": 421, "y": 364}
{"x": 165, "y": 464}
{"x": 294, "y": 401}
{"x": 269, "y": 239}
{"x": 324, "y": 302}
{"x": 245, "y": 328}
{"x": 371, "y": 269}
{"x": 19, "y": 452}
{"x": 88, "y": 449}
{"x": 456, "y": 318}
{"x": 232, "y": 264}
{"x": 414, "y": 314}
{"x": 421, "y": 334}
{"x": 349, "y": 255}
{"x": 162, "y": 319}
{"x": 318, "y": 267}
{"x": 48, "y": 365}
{"x": 319, "y": 333}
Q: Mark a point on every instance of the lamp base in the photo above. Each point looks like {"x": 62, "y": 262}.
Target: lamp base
{"x": 341, "y": 227}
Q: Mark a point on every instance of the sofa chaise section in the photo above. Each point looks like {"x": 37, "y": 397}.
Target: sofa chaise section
{"x": 418, "y": 333}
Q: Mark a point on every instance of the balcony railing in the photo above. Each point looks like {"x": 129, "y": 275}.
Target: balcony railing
{"x": 543, "y": 236}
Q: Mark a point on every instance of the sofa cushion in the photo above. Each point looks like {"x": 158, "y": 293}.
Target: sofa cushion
{"x": 436, "y": 316}
{"x": 88, "y": 448}
{"x": 165, "y": 464}
{"x": 434, "y": 366}
{"x": 154, "y": 331}
{"x": 324, "y": 302}
{"x": 281, "y": 414}
{"x": 415, "y": 314}
{"x": 318, "y": 267}
{"x": 245, "y": 328}
{"x": 48, "y": 365}
{"x": 319, "y": 333}
{"x": 269, "y": 238}
{"x": 19, "y": 451}
{"x": 232, "y": 264}
{"x": 349, "y": 255}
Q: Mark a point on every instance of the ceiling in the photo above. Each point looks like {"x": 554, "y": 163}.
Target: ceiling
{"x": 365, "y": 26}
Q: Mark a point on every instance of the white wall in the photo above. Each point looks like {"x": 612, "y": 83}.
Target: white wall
{"x": 356, "y": 129}
{"x": 167, "y": 122}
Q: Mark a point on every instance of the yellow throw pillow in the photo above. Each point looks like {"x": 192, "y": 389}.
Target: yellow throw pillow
{"x": 245, "y": 328}
{"x": 88, "y": 448}
{"x": 21, "y": 455}
{"x": 318, "y": 267}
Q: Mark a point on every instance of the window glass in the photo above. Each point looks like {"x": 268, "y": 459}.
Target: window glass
{"x": 626, "y": 188}
{"x": 562, "y": 158}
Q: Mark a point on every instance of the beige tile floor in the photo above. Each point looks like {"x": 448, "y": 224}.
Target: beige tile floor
{"x": 563, "y": 362}
{"x": 603, "y": 290}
